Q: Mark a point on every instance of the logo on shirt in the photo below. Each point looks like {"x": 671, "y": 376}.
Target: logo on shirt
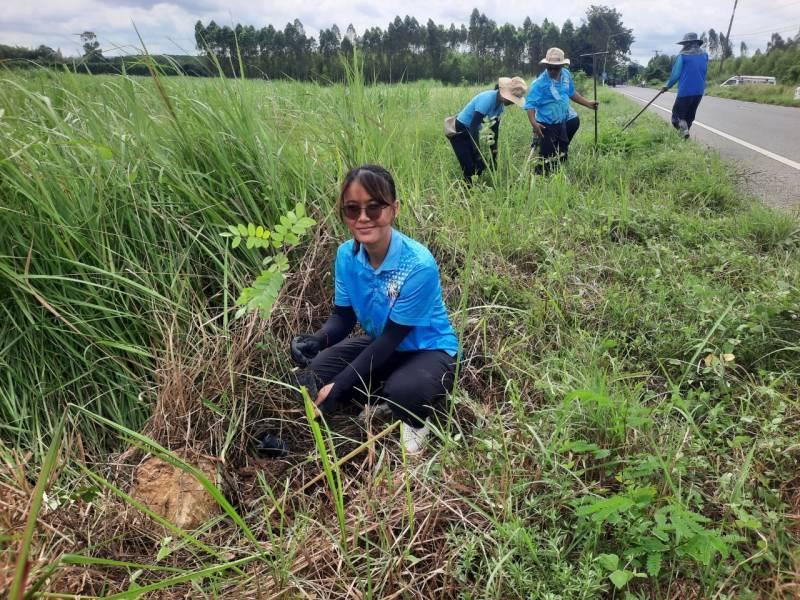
{"x": 393, "y": 290}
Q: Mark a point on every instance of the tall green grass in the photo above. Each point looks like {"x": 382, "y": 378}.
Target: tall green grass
{"x": 598, "y": 309}
{"x": 765, "y": 94}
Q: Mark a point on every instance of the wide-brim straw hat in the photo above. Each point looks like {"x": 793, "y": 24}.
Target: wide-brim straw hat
{"x": 555, "y": 57}
{"x": 512, "y": 89}
{"x": 690, "y": 38}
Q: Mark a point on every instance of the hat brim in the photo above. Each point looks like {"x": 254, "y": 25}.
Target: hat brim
{"x": 544, "y": 61}
{"x": 683, "y": 42}
{"x": 511, "y": 98}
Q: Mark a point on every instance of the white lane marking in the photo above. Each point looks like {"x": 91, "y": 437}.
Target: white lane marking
{"x": 781, "y": 159}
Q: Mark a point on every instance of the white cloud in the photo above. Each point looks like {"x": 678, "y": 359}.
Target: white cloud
{"x": 169, "y": 26}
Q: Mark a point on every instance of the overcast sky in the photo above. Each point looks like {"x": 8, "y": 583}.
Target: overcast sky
{"x": 168, "y": 26}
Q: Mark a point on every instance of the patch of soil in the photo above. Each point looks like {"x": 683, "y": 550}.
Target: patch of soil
{"x": 175, "y": 494}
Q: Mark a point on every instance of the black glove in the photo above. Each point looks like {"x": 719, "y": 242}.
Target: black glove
{"x": 304, "y": 348}
{"x": 270, "y": 446}
{"x": 665, "y": 89}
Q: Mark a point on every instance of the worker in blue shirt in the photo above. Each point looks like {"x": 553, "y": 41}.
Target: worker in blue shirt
{"x": 553, "y": 120}
{"x": 488, "y": 105}
{"x": 689, "y": 72}
{"x": 404, "y": 364}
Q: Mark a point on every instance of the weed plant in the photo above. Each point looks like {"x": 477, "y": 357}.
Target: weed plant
{"x": 627, "y": 414}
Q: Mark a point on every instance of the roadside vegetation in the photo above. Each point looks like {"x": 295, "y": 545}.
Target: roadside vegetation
{"x": 627, "y": 415}
{"x": 782, "y": 95}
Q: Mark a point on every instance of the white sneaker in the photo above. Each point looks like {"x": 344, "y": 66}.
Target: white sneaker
{"x": 413, "y": 438}
{"x": 375, "y": 412}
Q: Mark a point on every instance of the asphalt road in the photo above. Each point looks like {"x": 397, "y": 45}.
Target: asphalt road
{"x": 763, "y": 141}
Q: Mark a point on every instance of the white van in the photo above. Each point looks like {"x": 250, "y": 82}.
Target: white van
{"x": 742, "y": 79}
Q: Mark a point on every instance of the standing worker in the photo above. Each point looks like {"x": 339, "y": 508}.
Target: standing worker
{"x": 689, "y": 71}
{"x": 553, "y": 120}
{"x": 389, "y": 284}
{"x": 465, "y": 138}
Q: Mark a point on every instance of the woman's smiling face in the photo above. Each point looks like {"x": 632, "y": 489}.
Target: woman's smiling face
{"x": 373, "y": 225}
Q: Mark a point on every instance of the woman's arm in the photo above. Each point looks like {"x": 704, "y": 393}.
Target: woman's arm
{"x": 576, "y": 97}
{"x": 675, "y": 74}
{"x": 537, "y": 128}
{"x": 337, "y": 327}
{"x": 340, "y": 323}
{"x": 493, "y": 145}
{"x": 475, "y": 126}
{"x": 372, "y": 358}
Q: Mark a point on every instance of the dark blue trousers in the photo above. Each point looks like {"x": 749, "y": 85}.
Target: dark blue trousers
{"x": 413, "y": 383}
{"x": 467, "y": 152}
{"x": 685, "y": 108}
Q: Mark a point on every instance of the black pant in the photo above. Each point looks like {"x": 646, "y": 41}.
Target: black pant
{"x": 413, "y": 383}
{"x": 467, "y": 152}
{"x": 685, "y": 109}
{"x": 555, "y": 142}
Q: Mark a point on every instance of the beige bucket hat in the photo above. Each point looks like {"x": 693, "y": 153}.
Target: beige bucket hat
{"x": 554, "y": 56}
{"x": 513, "y": 89}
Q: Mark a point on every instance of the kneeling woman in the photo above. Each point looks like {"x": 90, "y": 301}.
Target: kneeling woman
{"x": 390, "y": 284}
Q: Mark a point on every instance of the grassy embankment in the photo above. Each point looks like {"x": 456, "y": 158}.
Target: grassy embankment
{"x": 782, "y": 95}
{"x": 627, "y": 413}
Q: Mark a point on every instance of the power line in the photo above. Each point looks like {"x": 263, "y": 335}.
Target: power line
{"x": 776, "y": 29}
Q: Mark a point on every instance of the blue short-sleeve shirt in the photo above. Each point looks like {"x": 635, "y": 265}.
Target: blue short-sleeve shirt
{"x": 405, "y": 289}
{"x": 484, "y": 103}
{"x": 550, "y": 98}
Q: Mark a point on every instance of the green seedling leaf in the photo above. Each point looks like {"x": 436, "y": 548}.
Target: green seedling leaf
{"x": 620, "y": 578}
{"x": 609, "y": 562}
{"x": 262, "y": 295}
{"x": 579, "y": 446}
{"x": 242, "y": 230}
{"x": 164, "y": 548}
{"x": 654, "y": 564}
{"x": 236, "y": 242}
{"x": 305, "y": 222}
{"x": 251, "y": 229}
{"x": 601, "y": 510}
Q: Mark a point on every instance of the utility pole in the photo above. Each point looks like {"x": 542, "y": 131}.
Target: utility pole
{"x": 727, "y": 38}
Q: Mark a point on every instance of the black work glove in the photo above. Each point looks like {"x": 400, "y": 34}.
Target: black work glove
{"x": 304, "y": 348}
{"x": 271, "y": 446}
{"x": 665, "y": 89}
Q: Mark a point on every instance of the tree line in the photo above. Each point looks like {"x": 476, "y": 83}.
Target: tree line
{"x": 407, "y": 50}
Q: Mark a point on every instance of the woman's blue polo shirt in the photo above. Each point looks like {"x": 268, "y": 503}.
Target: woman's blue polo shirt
{"x": 405, "y": 289}
{"x": 485, "y": 103}
{"x": 550, "y": 98}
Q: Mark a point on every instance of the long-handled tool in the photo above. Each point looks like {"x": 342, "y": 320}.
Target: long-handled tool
{"x": 646, "y": 106}
{"x": 594, "y": 56}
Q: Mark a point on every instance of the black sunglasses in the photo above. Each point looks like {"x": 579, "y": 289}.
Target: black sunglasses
{"x": 554, "y": 67}
{"x": 374, "y": 210}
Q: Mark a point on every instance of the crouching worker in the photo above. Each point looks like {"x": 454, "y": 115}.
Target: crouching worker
{"x": 553, "y": 120}
{"x": 468, "y": 123}
{"x": 389, "y": 284}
